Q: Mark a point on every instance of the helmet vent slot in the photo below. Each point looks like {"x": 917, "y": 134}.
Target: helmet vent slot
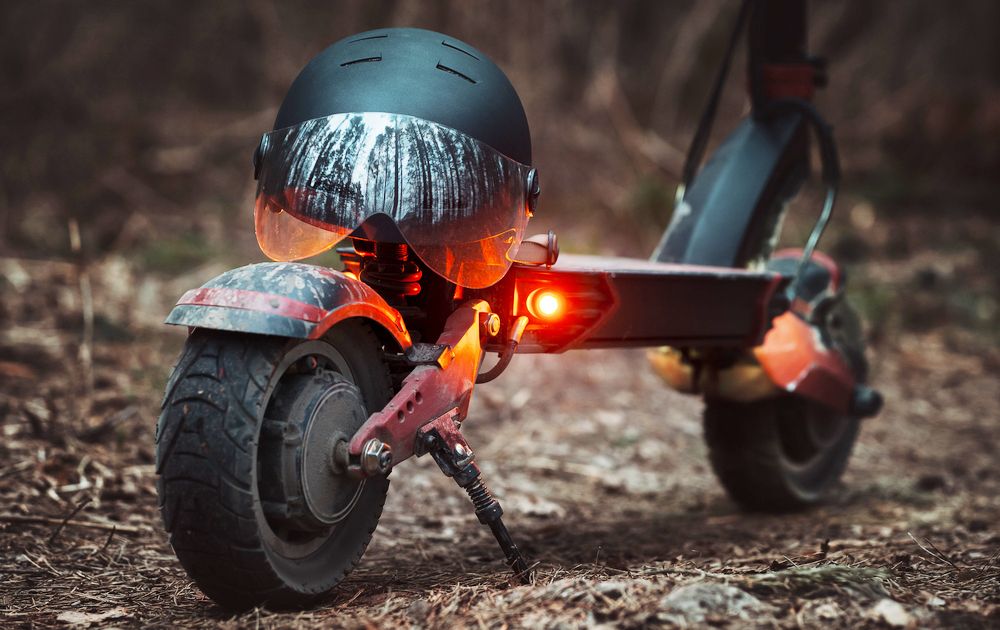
{"x": 458, "y": 74}
{"x": 362, "y": 60}
{"x": 461, "y": 50}
{"x": 364, "y": 39}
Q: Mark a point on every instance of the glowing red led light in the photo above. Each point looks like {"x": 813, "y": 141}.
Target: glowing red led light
{"x": 546, "y": 304}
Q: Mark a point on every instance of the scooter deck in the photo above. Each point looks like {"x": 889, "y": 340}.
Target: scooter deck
{"x": 625, "y": 302}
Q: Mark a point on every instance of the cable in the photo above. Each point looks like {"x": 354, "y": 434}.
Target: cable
{"x": 830, "y": 162}
{"x": 501, "y": 365}
{"x": 513, "y": 338}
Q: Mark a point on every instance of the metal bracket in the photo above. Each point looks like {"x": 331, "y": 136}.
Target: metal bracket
{"x": 441, "y": 382}
{"x": 429, "y": 354}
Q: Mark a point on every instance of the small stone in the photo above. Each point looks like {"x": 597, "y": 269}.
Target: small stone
{"x": 695, "y": 603}
{"x": 86, "y": 619}
{"x": 534, "y": 505}
{"x": 892, "y": 613}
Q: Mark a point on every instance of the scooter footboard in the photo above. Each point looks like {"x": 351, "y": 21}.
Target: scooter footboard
{"x": 602, "y": 302}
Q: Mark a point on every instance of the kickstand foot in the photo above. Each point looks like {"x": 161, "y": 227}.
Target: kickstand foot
{"x": 443, "y": 440}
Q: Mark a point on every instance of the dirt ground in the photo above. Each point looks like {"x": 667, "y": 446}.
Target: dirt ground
{"x": 602, "y": 472}
{"x": 135, "y": 124}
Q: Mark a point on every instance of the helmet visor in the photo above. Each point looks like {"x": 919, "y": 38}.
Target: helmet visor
{"x": 461, "y": 205}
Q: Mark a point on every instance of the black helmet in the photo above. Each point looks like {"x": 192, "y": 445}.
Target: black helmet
{"x": 399, "y": 134}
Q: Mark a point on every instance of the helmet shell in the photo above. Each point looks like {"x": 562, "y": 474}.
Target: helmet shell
{"x": 414, "y": 72}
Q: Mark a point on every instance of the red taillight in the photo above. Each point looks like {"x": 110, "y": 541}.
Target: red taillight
{"x": 546, "y": 304}
{"x": 561, "y": 306}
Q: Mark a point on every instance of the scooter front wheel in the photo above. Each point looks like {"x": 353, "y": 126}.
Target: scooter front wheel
{"x": 785, "y": 453}
{"x": 258, "y": 511}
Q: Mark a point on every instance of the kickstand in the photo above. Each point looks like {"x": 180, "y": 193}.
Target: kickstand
{"x": 443, "y": 440}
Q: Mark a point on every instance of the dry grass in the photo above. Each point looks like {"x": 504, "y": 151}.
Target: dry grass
{"x": 602, "y": 471}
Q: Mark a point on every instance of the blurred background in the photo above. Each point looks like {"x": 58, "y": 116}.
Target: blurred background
{"x": 126, "y": 133}
{"x": 136, "y": 121}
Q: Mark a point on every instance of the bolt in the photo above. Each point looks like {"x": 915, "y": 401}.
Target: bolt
{"x": 376, "y": 457}
{"x": 385, "y": 460}
{"x": 866, "y": 402}
{"x": 491, "y": 325}
{"x": 461, "y": 451}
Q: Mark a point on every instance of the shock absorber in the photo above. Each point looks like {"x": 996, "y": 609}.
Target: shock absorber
{"x": 387, "y": 268}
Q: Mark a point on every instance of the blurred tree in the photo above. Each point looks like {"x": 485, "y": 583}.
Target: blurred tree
{"x": 127, "y": 114}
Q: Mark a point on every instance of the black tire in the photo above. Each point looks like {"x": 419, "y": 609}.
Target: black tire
{"x": 785, "y": 453}
{"x": 209, "y": 449}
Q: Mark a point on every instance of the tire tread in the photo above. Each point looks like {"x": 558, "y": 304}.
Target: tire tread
{"x": 205, "y": 449}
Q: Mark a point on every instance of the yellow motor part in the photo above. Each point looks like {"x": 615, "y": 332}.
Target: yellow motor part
{"x": 744, "y": 381}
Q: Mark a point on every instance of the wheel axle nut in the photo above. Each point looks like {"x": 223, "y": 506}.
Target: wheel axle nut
{"x": 376, "y": 457}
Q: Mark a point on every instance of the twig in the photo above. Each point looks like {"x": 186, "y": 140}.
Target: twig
{"x": 96, "y": 433}
{"x": 936, "y": 556}
{"x": 16, "y": 468}
{"x": 940, "y": 553}
{"x": 107, "y": 542}
{"x": 44, "y": 520}
{"x": 86, "y": 354}
{"x": 354, "y": 597}
{"x": 74, "y": 512}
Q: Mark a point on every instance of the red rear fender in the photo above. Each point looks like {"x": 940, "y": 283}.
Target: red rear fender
{"x": 286, "y": 300}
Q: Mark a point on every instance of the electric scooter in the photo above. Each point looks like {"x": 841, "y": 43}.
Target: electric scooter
{"x": 301, "y": 388}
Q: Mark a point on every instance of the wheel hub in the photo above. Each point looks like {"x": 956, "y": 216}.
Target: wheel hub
{"x": 302, "y": 488}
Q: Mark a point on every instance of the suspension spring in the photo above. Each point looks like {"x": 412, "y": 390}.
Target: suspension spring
{"x": 389, "y": 269}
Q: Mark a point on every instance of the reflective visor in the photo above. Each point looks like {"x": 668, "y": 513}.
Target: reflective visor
{"x": 460, "y": 205}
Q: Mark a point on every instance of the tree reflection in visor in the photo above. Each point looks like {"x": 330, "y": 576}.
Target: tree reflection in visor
{"x": 461, "y": 205}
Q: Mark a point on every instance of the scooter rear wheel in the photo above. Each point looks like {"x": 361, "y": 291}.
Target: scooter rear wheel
{"x": 258, "y": 511}
{"x": 785, "y": 453}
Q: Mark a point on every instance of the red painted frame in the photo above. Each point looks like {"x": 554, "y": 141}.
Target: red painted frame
{"x": 429, "y": 391}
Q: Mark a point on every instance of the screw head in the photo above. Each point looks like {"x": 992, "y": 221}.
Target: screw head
{"x": 461, "y": 451}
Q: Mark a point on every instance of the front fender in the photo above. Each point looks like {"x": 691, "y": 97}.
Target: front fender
{"x": 285, "y": 300}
